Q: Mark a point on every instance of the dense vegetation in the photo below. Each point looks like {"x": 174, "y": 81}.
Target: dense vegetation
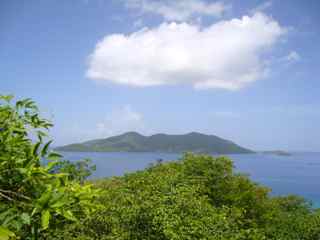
{"x": 135, "y": 142}
{"x": 196, "y": 197}
{"x": 36, "y": 197}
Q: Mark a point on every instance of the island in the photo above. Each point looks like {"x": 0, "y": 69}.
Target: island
{"x": 277, "y": 152}
{"x": 136, "y": 142}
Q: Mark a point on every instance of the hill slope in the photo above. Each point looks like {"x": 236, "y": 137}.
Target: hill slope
{"x": 135, "y": 142}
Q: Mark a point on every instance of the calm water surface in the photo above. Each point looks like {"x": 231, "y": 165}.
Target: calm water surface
{"x": 295, "y": 174}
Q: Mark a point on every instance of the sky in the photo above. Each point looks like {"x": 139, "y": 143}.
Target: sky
{"x": 247, "y": 71}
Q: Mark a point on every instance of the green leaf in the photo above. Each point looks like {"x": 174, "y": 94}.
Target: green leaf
{"x": 54, "y": 156}
{"x": 35, "y": 149}
{"x": 5, "y": 233}
{"x": 47, "y": 125}
{"x": 22, "y": 170}
{"x": 51, "y": 165}
{"x": 69, "y": 215}
{"x": 18, "y": 130}
{"x": 19, "y": 104}
{"x": 60, "y": 204}
{"x": 45, "y": 197}
{"x": 8, "y": 212}
{"x": 7, "y": 98}
{"x": 58, "y": 199}
{"x": 41, "y": 135}
{"x": 45, "y": 148}
{"x": 31, "y": 104}
{"x": 34, "y": 211}
{"x": 45, "y": 218}
{"x": 25, "y": 217}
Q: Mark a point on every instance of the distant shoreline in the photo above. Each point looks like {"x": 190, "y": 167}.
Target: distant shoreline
{"x": 169, "y": 143}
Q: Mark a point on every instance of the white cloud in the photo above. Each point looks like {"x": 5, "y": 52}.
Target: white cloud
{"x": 228, "y": 54}
{"x": 178, "y": 10}
{"x": 120, "y": 120}
{"x": 293, "y": 56}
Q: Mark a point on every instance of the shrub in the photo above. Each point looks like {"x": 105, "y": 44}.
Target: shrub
{"x": 32, "y": 198}
{"x": 197, "y": 197}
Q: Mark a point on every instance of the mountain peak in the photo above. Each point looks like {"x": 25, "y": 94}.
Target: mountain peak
{"x": 195, "y": 134}
{"x": 135, "y": 142}
{"x": 132, "y": 133}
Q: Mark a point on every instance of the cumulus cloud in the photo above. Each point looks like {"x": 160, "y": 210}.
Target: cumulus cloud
{"x": 227, "y": 54}
{"x": 178, "y": 10}
{"x": 120, "y": 120}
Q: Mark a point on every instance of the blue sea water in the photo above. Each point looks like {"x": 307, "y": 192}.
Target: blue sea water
{"x": 295, "y": 174}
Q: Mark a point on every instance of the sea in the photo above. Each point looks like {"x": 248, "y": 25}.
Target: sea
{"x": 297, "y": 174}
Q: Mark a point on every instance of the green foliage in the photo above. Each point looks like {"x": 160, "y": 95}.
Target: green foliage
{"x": 197, "y": 197}
{"x": 78, "y": 171}
{"x": 32, "y": 197}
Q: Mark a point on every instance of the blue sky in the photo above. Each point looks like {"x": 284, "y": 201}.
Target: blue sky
{"x": 247, "y": 70}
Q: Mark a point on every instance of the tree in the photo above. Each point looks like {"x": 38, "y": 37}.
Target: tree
{"x": 34, "y": 198}
{"x": 197, "y": 197}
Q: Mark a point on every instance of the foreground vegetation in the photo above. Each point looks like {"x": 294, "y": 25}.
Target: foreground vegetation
{"x": 35, "y": 197}
{"x": 196, "y": 197}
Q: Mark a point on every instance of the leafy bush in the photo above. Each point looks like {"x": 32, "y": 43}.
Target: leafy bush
{"x": 32, "y": 198}
{"x": 77, "y": 171}
{"x": 197, "y": 197}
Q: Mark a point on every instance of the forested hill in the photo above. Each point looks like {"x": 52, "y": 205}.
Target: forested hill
{"x": 135, "y": 142}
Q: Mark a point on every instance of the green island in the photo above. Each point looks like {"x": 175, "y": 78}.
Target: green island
{"x": 135, "y": 142}
{"x": 195, "y": 197}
